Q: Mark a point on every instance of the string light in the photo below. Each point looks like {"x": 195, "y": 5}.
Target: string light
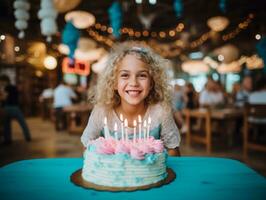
{"x": 241, "y": 26}
{"x": 176, "y": 47}
{"x": 132, "y": 33}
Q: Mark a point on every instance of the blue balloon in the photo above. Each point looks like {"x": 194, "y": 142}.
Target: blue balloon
{"x": 178, "y": 7}
{"x": 70, "y": 37}
{"x": 261, "y": 49}
{"x": 222, "y": 5}
{"x": 115, "y": 15}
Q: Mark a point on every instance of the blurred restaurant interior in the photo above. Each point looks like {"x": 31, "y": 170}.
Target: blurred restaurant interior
{"x": 215, "y": 47}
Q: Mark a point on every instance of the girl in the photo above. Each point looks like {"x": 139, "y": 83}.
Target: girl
{"x": 134, "y": 84}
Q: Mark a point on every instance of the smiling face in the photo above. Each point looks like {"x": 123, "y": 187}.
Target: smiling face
{"x": 133, "y": 80}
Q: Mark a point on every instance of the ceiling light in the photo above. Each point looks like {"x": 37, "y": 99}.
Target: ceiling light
{"x": 138, "y": 1}
{"x": 218, "y": 23}
{"x": 152, "y": 2}
{"x": 80, "y": 19}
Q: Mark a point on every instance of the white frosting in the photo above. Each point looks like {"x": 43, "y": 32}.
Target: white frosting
{"x": 121, "y": 170}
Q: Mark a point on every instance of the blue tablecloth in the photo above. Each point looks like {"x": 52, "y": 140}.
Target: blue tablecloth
{"x": 197, "y": 178}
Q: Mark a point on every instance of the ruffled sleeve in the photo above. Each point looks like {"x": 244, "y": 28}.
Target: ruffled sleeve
{"x": 94, "y": 126}
{"x": 169, "y": 132}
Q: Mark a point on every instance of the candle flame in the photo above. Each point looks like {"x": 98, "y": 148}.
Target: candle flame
{"x": 126, "y": 123}
{"x": 145, "y": 123}
{"x": 105, "y": 120}
{"x": 115, "y": 127}
{"x": 121, "y": 117}
{"x": 149, "y": 120}
{"x": 135, "y": 123}
{"x": 139, "y": 118}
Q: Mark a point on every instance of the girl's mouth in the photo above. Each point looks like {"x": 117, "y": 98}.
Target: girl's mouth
{"x": 133, "y": 93}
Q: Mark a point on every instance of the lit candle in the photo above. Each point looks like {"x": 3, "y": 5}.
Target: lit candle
{"x": 106, "y": 130}
{"x": 134, "y": 130}
{"x": 115, "y": 130}
{"x": 122, "y": 126}
{"x": 148, "y": 127}
{"x": 126, "y": 125}
{"x": 144, "y": 129}
{"x": 139, "y": 120}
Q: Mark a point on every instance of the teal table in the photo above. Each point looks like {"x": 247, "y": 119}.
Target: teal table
{"x": 197, "y": 178}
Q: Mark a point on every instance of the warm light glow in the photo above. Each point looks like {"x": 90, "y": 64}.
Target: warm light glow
{"x": 16, "y": 48}
{"x": 145, "y": 33}
{"x": 137, "y": 34}
{"x": 254, "y": 62}
{"x": 2, "y": 37}
{"x": 194, "y": 67}
{"x": 172, "y": 33}
{"x": 97, "y": 26}
{"x": 162, "y": 34}
{"x": 228, "y": 51}
{"x": 152, "y": 2}
{"x": 110, "y": 30}
{"x": 80, "y": 19}
{"x": 39, "y": 73}
{"x": 221, "y": 58}
{"x": 50, "y": 62}
{"x": 258, "y": 36}
{"x": 218, "y": 23}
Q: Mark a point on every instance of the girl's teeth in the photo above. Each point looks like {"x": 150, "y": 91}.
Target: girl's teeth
{"x": 133, "y": 93}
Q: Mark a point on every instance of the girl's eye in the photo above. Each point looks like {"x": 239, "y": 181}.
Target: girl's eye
{"x": 143, "y": 75}
{"x": 124, "y": 75}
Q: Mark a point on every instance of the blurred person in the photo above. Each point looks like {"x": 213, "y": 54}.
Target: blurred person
{"x": 178, "y": 104}
{"x": 9, "y": 101}
{"x": 190, "y": 96}
{"x": 47, "y": 93}
{"x": 243, "y": 94}
{"x": 46, "y": 102}
{"x": 235, "y": 89}
{"x": 63, "y": 96}
{"x": 259, "y": 97}
{"x": 259, "y": 94}
{"x": 212, "y": 95}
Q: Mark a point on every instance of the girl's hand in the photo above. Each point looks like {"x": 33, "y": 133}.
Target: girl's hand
{"x": 174, "y": 152}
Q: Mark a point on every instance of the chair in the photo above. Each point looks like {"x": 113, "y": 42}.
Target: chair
{"x": 254, "y": 118}
{"x": 204, "y": 127}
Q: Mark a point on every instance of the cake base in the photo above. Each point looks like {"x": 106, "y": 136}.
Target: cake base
{"x": 77, "y": 179}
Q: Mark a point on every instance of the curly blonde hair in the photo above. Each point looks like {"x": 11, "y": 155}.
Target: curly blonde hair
{"x": 105, "y": 93}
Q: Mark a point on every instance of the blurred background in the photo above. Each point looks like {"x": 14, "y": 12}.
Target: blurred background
{"x": 217, "y": 53}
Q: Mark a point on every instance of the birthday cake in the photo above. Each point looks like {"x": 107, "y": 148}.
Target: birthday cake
{"x": 124, "y": 163}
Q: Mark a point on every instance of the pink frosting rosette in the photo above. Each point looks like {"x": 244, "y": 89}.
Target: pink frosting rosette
{"x": 158, "y": 146}
{"x": 104, "y": 147}
{"x": 136, "y": 150}
{"x": 122, "y": 147}
{"x": 146, "y": 147}
{"x": 137, "y": 153}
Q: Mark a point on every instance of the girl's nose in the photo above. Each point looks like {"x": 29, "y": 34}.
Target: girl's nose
{"x": 133, "y": 81}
